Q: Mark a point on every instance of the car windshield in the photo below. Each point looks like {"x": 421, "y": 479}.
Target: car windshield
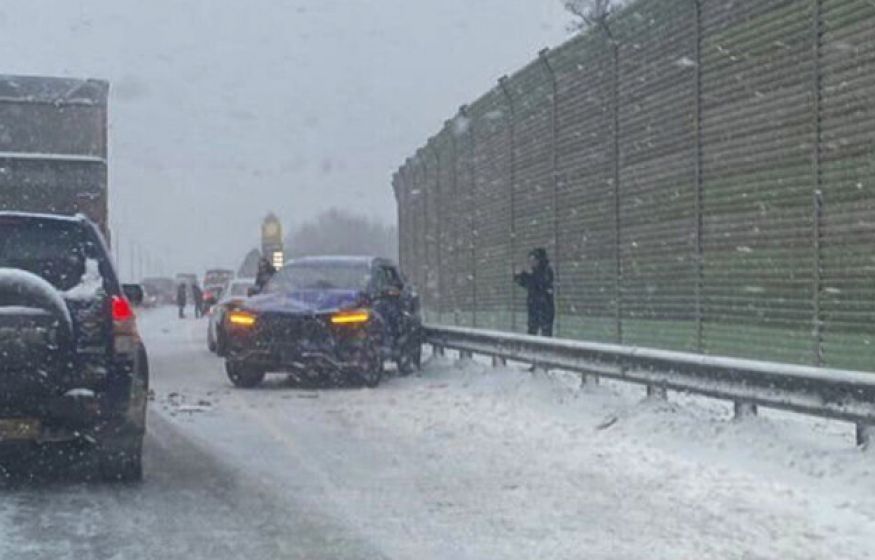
{"x": 53, "y": 250}
{"x": 320, "y": 276}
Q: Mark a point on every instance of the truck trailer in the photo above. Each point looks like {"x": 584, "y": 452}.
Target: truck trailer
{"x": 53, "y": 146}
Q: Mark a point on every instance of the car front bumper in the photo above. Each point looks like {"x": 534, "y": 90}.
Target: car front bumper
{"x": 313, "y": 346}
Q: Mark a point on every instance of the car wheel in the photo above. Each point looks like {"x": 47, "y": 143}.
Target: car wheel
{"x": 372, "y": 374}
{"x": 221, "y": 344}
{"x": 211, "y": 341}
{"x": 243, "y": 375}
{"x": 121, "y": 460}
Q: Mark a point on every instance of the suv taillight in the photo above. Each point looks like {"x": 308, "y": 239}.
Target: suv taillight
{"x": 121, "y": 309}
{"x": 126, "y": 339}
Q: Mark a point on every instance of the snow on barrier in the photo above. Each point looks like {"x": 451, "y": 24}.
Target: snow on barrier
{"x": 830, "y": 393}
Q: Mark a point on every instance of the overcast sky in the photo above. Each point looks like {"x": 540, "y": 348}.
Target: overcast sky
{"x": 223, "y": 110}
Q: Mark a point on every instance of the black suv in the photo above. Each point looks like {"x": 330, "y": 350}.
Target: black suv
{"x": 72, "y": 365}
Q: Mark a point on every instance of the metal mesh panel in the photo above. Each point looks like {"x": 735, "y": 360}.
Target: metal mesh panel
{"x": 465, "y": 241}
{"x": 848, "y": 182}
{"x": 533, "y": 184}
{"x": 656, "y": 125}
{"x": 429, "y": 284}
{"x": 702, "y": 172}
{"x": 758, "y": 133}
{"x": 585, "y": 154}
{"x": 491, "y": 207}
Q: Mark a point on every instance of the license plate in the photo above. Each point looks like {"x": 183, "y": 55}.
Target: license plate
{"x": 12, "y": 429}
{"x": 289, "y": 355}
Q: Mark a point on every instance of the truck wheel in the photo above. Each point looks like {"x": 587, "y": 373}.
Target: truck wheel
{"x": 121, "y": 460}
{"x": 243, "y": 375}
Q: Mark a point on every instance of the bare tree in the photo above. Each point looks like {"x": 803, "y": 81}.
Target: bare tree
{"x": 338, "y": 232}
{"x": 591, "y": 13}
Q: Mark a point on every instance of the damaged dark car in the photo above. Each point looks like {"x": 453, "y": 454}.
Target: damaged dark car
{"x": 336, "y": 319}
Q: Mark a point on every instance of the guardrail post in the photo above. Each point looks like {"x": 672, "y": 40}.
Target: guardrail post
{"x": 466, "y": 355}
{"x": 744, "y": 409}
{"x": 589, "y": 379}
{"x": 498, "y": 361}
{"x": 865, "y": 435}
{"x": 657, "y": 392}
{"x": 438, "y": 349}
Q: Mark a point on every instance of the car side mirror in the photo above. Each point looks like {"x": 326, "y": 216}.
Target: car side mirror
{"x": 133, "y": 293}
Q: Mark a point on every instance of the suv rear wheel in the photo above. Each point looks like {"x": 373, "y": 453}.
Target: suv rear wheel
{"x": 243, "y": 375}
{"x": 121, "y": 460}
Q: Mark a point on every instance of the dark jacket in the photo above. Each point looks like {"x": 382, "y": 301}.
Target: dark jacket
{"x": 180, "y": 295}
{"x": 197, "y": 294}
{"x": 539, "y": 287}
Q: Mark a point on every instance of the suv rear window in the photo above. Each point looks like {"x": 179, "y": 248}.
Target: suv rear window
{"x": 56, "y": 251}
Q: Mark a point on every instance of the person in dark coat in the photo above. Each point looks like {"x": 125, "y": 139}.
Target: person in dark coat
{"x": 538, "y": 282}
{"x": 198, "y": 296}
{"x": 180, "y": 300}
{"x": 265, "y": 273}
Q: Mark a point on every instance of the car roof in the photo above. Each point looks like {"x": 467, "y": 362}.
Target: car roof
{"x": 36, "y": 216}
{"x": 335, "y": 259}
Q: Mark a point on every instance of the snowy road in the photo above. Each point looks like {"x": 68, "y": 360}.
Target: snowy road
{"x": 462, "y": 462}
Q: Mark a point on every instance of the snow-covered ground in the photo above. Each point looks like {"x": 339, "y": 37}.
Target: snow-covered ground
{"x": 461, "y": 461}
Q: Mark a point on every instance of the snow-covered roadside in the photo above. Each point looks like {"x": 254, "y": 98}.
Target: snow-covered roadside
{"x": 808, "y": 467}
{"x": 807, "y": 449}
{"x": 469, "y": 461}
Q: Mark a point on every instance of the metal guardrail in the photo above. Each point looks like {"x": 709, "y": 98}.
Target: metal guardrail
{"x": 830, "y": 393}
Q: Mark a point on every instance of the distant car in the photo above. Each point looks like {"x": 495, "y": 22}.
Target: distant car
{"x": 74, "y": 367}
{"x": 212, "y": 294}
{"x": 216, "y": 281}
{"x": 162, "y": 289}
{"x": 150, "y": 299}
{"x": 237, "y": 291}
{"x": 218, "y": 277}
{"x": 336, "y": 318}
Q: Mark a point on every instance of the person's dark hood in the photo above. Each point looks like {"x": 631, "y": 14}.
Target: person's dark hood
{"x": 540, "y": 255}
{"x": 304, "y": 301}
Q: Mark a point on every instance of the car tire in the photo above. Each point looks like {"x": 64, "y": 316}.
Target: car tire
{"x": 373, "y": 373}
{"x": 121, "y": 460}
{"x": 244, "y": 375}
{"x": 221, "y": 344}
